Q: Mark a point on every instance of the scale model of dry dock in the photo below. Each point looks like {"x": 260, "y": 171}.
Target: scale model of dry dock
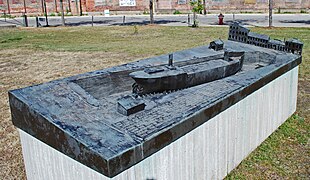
{"x": 99, "y": 125}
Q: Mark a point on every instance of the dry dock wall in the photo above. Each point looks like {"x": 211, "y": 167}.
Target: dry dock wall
{"x": 210, "y": 151}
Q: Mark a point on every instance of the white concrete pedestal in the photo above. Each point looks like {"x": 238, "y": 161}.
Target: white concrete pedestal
{"x": 210, "y": 151}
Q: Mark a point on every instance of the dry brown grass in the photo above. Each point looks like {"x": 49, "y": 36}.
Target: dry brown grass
{"x": 21, "y": 68}
{"x": 29, "y": 57}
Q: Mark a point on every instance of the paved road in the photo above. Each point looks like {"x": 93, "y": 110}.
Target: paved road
{"x": 279, "y": 20}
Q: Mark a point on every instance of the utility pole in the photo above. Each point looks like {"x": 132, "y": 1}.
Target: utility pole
{"x": 62, "y": 13}
{"x": 270, "y": 13}
{"x": 151, "y": 12}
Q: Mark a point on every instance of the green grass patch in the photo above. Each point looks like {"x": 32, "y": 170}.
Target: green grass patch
{"x": 113, "y": 39}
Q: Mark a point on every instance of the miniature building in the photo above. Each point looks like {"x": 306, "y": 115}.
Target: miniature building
{"x": 129, "y": 105}
{"x": 258, "y": 39}
{"x": 217, "y": 45}
{"x": 294, "y": 45}
{"x": 240, "y": 33}
{"x": 277, "y": 45}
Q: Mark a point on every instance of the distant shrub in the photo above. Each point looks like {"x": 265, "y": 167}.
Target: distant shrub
{"x": 68, "y": 10}
{"x": 197, "y": 7}
{"x": 303, "y": 11}
{"x": 177, "y": 12}
{"x": 145, "y": 12}
{"x": 135, "y": 29}
{"x": 7, "y": 16}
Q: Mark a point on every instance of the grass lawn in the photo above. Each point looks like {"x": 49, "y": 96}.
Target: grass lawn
{"x": 32, "y": 56}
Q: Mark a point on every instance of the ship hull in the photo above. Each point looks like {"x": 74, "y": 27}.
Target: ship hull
{"x": 171, "y": 79}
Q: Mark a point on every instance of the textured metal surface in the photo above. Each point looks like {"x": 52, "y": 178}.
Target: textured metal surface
{"x": 78, "y": 115}
{"x": 172, "y": 78}
{"x": 210, "y": 151}
{"x": 240, "y": 33}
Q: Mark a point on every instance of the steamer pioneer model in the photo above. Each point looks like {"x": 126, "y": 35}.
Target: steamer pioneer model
{"x": 170, "y": 78}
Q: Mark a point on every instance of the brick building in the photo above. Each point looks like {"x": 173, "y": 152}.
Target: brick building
{"x": 140, "y": 6}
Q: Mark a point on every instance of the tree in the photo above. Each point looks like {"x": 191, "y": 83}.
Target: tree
{"x": 270, "y": 13}
{"x": 197, "y": 7}
{"x": 62, "y": 13}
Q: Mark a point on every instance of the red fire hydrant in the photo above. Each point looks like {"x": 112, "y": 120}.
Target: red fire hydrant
{"x": 221, "y": 19}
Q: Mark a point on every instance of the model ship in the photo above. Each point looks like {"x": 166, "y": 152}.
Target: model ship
{"x": 158, "y": 81}
{"x": 170, "y": 78}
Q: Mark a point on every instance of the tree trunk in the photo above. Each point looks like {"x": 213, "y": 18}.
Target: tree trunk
{"x": 62, "y": 13}
{"x": 151, "y": 12}
{"x": 270, "y": 13}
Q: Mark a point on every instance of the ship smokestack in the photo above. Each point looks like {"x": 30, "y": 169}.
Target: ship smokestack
{"x": 170, "y": 63}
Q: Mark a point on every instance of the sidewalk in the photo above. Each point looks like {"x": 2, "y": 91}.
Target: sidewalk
{"x": 279, "y": 20}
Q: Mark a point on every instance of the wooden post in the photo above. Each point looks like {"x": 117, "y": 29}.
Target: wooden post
{"x": 194, "y": 19}
{"x": 77, "y": 6}
{"x": 42, "y": 3}
{"x": 45, "y": 11}
{"x": 37, "y": 21}
{"x": 81, "y": 11}
{"x": 204, "y": 7}
{"x": 8, "y": 3}
{"x": 92, "y": 21}
{"x": 55, "y": 4}
{"x": 25, "y": 20}
{"x": 25, "y": 15}
{"x": 25, "y": 8}
{"x": 62, "y": 13}
{"x": 151, "y": 12}
{"x": 69, "y": 5}
{"x": 270, "y": 13}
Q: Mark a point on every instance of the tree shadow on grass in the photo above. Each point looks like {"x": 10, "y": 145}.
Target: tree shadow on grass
{"x": 84, "y": 23}
{"x": 298, "y": 21}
